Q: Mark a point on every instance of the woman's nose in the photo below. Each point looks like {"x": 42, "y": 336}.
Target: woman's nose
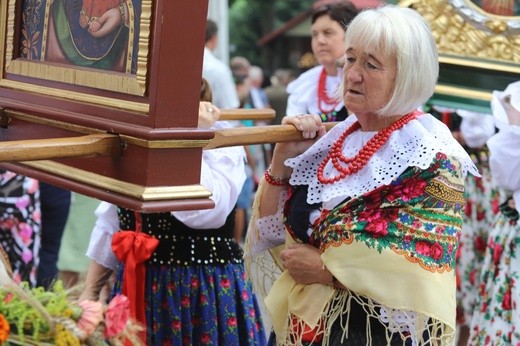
{"x": 352, "y": 74}
{"x": 320, "y": 38}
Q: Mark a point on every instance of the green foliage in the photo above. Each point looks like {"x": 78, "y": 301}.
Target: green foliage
{"x": 250, "y": 20}
{"x": 22, "y": 315}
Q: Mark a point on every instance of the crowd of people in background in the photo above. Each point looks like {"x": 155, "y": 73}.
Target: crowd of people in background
{"x": 436, "y": 220}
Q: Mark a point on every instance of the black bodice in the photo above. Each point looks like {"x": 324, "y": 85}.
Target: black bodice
{"x": 181, "y": 245}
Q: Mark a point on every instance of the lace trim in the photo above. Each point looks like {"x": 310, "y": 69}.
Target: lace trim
{"x": 260, "y": 265}
{"x": 403, "y": 322}
{"x": 416, "y": 144}
{"x": 271, "y": 229}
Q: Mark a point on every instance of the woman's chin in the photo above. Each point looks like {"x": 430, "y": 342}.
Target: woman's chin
{"x": 326, "y": 60}
{"x": 353, "y": 103}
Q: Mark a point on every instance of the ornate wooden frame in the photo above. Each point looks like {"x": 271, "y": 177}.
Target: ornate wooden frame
{"x": 156, "y": 122}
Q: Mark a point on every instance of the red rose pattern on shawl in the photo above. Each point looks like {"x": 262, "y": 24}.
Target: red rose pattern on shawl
{"x": 409, "y": 216}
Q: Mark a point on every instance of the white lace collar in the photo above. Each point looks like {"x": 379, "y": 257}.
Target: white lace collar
{"x": 415, "y": 144}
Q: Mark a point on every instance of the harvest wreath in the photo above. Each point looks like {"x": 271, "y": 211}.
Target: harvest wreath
{"x": 34, "y": 316}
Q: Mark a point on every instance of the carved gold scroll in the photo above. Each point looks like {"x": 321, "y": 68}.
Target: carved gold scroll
{"x": 479, "y": 51}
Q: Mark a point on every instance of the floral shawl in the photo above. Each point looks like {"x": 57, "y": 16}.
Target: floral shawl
{"x": 393, "y": 248}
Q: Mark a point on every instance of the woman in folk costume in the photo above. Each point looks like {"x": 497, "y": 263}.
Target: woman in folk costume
{"x": 367, "y": 216}
{"x": 496, "y": 317}
{"x": 192, "y": 289}
{"x": 314, "y": 91}
{"x": 482, "y": 206}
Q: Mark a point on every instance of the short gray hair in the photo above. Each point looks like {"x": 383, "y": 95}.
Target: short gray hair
{"x": 403, "y": 33}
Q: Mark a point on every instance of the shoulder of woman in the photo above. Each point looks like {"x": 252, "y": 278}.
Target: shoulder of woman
{"x": 305, "y": 80}
{"x": 436, "y": 136}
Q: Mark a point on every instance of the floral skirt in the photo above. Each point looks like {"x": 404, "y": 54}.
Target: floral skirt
{"x": 200, "y": 305}
{"x": 482, "y": 205}
{"x": 497, "y": 314}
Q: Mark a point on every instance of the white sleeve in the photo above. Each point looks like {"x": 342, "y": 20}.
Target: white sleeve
{"x": 295, "y": 106}
{"x": 504, "y": 160}
{"x": 223, "y": 173}
{"x": 476, "y": 128}
{"x": 100, "y": 245}
{"x": 300, "y": 91}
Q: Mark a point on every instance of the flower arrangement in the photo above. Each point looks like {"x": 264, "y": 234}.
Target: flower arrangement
{"x": 34, "y": 316}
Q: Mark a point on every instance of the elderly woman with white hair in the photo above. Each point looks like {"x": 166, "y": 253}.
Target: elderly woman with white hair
{"x": 362, "y": 222}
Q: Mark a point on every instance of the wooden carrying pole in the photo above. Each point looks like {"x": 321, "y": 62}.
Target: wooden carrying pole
{"x": 247, "y": 114}
{"x": 257, "y": 135}
{"x": 111, "y": 145}
{"x": 103, "y": 144}
{"x": 59, "y": 148}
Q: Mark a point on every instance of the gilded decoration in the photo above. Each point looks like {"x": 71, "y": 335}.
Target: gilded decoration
{"x": 463, "y": 28}
{"x": 140, "y": 192}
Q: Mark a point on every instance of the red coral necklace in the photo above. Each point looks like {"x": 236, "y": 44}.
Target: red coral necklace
{"x": 323, "y": 98}
{"x": 357, "y": 162}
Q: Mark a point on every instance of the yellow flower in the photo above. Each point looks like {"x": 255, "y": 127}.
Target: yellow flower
{"x": 65, "y": 337}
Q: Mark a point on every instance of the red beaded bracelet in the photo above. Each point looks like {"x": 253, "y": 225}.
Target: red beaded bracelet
{"x": 274, "y": 180}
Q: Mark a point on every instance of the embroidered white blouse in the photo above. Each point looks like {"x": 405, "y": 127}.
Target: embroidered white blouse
{"x": 504, "y": 159}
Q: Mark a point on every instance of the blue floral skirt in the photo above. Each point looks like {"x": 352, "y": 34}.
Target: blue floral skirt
{"x": 200, "y": 305}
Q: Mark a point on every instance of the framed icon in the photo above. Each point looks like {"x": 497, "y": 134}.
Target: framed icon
{"x": 89, "y": 45}
{"x": 125, "y": 68}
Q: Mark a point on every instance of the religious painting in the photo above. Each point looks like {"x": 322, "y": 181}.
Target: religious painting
{"x": 97, "y": 44}
{"x": 100, "y": 34}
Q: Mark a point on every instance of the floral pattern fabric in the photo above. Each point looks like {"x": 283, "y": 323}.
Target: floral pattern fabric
{"x": 196, "y": 291}
{"x": 408, "y": 216}
{"x": 482, "y": 205}
{"x": 20, "y": 224}
{"x": 497, "y": 315}
{"x": 405, "y": 232}
{"x": 200, "y": 305}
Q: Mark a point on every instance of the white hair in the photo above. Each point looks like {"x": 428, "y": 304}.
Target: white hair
{"x": 256, "y": 73}
{"x": 403, "y": 33}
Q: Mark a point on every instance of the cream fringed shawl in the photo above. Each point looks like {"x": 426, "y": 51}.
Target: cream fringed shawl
{"x": 392, "y": 244}
{"x": 394, "y": 249}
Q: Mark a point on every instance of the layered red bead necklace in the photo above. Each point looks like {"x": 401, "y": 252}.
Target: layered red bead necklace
{"x": 357, "y": 162}
{"x": 323, "y": 98}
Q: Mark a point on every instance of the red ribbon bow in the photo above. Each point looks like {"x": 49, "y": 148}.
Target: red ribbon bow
{"x": 133, "y": 249}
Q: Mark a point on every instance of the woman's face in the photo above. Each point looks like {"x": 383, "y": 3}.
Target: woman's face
{"x": 327, "y": 40}
{"x": 369, "y": 80}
